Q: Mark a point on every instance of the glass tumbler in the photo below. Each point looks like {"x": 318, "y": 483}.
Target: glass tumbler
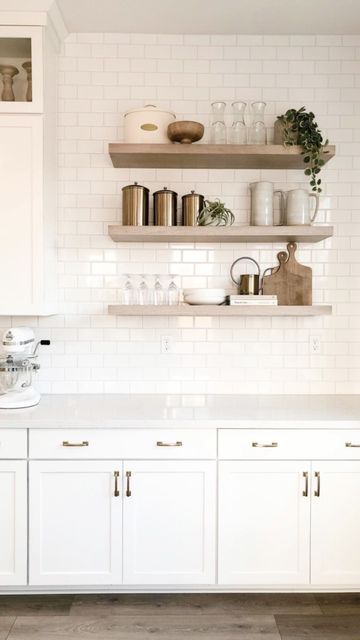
{"x": 218, "y": 127}
{"x": 238, "y": 133}
{"x": 258, "y": 129}
{"x": 128, "y": 295}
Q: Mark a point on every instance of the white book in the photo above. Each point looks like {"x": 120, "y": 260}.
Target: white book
{"x": 252, "y": 297}
{"x": 253, "y": 303}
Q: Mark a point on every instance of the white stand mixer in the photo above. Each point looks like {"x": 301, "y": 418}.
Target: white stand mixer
{"x": 17, "y": 367}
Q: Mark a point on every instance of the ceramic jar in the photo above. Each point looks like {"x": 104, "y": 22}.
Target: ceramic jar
{"x": 148, "y": 125}
{"x": 262, "y": 204}
{"x": 298, "y": 207}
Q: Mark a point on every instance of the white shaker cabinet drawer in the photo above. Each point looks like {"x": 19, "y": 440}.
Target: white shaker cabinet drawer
{"x": 13, "y": 443}
{"x": 160, "y": 444}
{"x": 264, "y": 444}
{"x": 335, "y": 444}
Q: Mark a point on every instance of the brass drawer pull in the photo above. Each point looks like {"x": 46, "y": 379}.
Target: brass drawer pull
{"x": 317, "y": 490}
{"x": 271, "y": 445}
{"x": 169, "y": 444}
{"x": 84, "y": 443}
{"x": 128, "y": 490}
{"x": 116, "y": 489}
{"x": 306, "y": 490}
{"x": 350, "y": 445}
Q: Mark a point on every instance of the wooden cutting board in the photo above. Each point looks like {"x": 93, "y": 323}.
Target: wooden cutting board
{"x": 291, "y": 281}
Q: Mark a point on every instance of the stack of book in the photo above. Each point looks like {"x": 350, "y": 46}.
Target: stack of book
{"x": 251, "y": 300}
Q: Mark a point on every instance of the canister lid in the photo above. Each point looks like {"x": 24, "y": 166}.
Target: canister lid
{"x": 150, "y": 108}
{"x": 135, "y": 186}
{"x": 165, "y": 190}
{"x": 192, "y": 195}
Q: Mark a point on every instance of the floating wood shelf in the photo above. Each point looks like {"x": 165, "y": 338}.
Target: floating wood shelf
{"x": 304, "y": 233}
{"x": 214, "y": 310}
{"x": 209, "y": 156}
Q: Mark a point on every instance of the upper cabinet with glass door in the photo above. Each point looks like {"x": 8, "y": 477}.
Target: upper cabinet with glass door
{"x": 21, "y": 69}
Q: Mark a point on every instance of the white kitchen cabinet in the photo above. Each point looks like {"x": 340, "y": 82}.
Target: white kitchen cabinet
{"x": 27, "y": 259}
{"x": 19, "y": 44}
{"x": 13, "y": 523}
{"x": 264, "y": 523}
{"x": 335, "y": 524}
{"x": 169, "y": 522}
{"x": 75, "y": 523}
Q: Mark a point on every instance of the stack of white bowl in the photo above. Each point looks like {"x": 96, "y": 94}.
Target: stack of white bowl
{"x": 204, "y": 296}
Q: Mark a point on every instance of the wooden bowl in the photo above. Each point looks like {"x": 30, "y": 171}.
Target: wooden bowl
{"x": 185, "y": 131}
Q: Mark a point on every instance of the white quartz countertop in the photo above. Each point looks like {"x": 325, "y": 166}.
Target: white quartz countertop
{"x": 187, "y": 411}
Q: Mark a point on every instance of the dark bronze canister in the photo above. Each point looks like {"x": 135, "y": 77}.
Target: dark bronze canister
{"x": 135, "y": 205}
{"x": 192, "y": 205}
{"x": 165, "y": 207}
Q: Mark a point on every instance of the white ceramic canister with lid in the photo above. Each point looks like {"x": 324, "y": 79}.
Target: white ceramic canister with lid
{"x": 148, "y": 125}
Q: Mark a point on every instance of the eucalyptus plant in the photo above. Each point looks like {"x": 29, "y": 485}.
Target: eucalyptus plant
{"x": 215, "y": 213}
{"x": 300, "y": 127}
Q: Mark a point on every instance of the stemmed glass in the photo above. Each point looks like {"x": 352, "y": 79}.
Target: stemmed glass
{"x": 258, "y": 129}
{"x": 218, "y": 127}
{"x": 144, "y": 294}
{"x": 173, "y": 292}
{"x": 159, "y": 294}
{"x": 128, "y": 292}
{"x": 238, "y": 127}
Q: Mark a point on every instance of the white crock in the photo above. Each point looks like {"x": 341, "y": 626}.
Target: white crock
{"x": 148, "y": 125}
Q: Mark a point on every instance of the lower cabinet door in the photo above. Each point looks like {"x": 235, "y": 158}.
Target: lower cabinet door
{"x": 75, "y": 523}
{"x": 335, "y": 524}
{"x": 169, "y": 522}
{"x": 264, "y": 523}
{"x": 13, "y": 522}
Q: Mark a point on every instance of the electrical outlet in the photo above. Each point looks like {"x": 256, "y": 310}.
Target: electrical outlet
{"x": 315, "y": 344}
{"x": 166, "y": 344}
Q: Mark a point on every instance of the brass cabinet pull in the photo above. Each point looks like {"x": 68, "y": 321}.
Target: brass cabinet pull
{"x": 116, "y": 489}
{"x": 84, "y": 443}
{"x": 271, "y": 445}
{"x": 178, "y": 443}
{"x": 306, "y": 490}
{"x": 128, "y": 490}
{"x": 317, "y": 490}
{"x": 352, "y": 446}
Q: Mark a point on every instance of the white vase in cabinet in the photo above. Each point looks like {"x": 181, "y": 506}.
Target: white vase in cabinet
{"x": 169, "y": 522}
{"x": 28, "y": 216}
{"x": 75, "y": 523}
{"x": 335, "y": 524}
{"x": 264, "y": 523}
{"x": 13, "y": 517}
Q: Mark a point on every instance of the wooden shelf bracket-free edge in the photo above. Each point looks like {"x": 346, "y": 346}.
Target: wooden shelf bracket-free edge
{"x": 220, "y": 310}
{"x": 209, "y": 156}
{"x": 120, "y": 233}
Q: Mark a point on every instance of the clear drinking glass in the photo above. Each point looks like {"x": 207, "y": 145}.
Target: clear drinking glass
{"x": 159, "y": 293}
{"x": 173, "y": 292}
{"x": 144, "y": 293}
{"x": 128, "y": 293}
{"x": 258, "y": 129}
{"x": 238, "y": 133}
{"x": 218, "y": 127}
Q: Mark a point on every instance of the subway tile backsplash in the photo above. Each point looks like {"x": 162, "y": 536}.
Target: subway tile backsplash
{"x": 103, "y": 75}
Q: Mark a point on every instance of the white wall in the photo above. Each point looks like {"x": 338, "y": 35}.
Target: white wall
{"x": 103, "y": 75}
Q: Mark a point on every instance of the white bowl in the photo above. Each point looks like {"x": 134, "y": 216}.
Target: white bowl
{"x": 204, "y": 296}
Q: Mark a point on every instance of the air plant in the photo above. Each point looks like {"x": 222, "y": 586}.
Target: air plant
{"x": 215, "y": 213}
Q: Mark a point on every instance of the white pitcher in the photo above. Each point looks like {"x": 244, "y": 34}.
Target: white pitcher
{"x": 298, "y": 209}
{"x": 262, "y": 204}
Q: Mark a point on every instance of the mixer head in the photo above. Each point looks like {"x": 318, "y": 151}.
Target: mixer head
{"x": 18, "y": 340}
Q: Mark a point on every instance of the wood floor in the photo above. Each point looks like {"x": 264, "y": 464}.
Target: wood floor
{"x": 181, "y": 617}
